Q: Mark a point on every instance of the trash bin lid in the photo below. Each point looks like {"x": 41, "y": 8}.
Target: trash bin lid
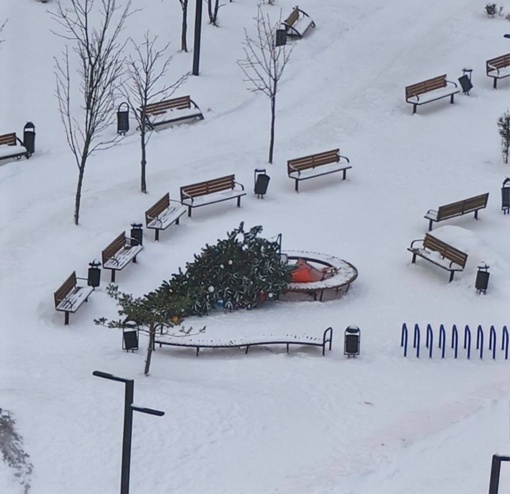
{"x": 352, "y": 329}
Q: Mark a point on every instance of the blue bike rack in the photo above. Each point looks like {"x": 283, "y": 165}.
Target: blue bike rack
{"x": 442, "y": 340}
{"x": 480, "y": 338}
{"x": 467, "y": 340}
{"x": 416, "y": 340}
{"x": 504, "y": 342}
{"x": 492, "y": 342}
{"x": 429, "y": 339}
{"x": 455, "y": 340}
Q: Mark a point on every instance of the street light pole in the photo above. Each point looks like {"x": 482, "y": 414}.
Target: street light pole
{"x": 128, "y": 425}
{"x": 198, "y": 29}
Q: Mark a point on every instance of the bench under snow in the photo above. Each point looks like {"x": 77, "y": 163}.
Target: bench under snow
{"x": 248, "y": 341}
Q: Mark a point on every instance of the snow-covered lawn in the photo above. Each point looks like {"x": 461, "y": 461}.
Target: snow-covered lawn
{"x": 266, "y": 422}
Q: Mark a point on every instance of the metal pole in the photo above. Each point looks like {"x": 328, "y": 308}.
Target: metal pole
{"x": 198, "y": 29}
{"x": 127, "y": 436}
{"x": 128, "y": 425}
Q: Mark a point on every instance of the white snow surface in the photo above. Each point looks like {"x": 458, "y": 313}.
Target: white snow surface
{"x": 266, "y": 422}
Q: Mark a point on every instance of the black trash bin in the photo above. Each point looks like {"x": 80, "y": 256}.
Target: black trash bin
{"x": 482, "y": 279}
{"x": 29, "y": 137}
{"x": 281, "y": 37}
{"x": 94, "y": 276}
{"x": 123, "y": 118}
{"x": 261, "y": 182}
{"x": 465, "y": 80}
{"x": 136, "y": 234}
{"x": 352, "y": 341}
{"x": 505, "y": 196}
{"x": 130, "y": 339}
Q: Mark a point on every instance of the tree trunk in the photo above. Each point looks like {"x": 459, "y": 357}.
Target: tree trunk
{"x": 273, "y": 119}
{"x": 150, "y": 348}
{"x": 79, "y": 185}
{"x": 184, "y": 28}
{"x": 144, "y": 159}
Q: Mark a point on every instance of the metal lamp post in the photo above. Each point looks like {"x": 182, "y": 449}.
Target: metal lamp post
{"x": 128, "y": 425}
{"x": 198, "y": 29}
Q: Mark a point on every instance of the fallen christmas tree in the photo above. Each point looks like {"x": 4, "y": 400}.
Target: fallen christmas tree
{"x": 240, "y": 272}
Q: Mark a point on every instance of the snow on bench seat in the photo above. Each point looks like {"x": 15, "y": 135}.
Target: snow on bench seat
{"x": 247, "y": 341}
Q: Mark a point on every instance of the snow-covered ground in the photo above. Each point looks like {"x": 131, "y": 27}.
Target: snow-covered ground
{"x": 266, "y": 422}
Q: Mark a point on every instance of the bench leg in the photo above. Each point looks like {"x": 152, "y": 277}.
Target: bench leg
{"x": 414, "y": 108}
{"x": 430, "y": 225}
{"x": 414, "y": 258}
{"x": 495, "y": 84}
{"x": 112, "y": 279}
{"x": 452, "y": 273}
{"x": 189, "y": 211}
{"x": 451, "y": 98}
{"x": 287, "y": 347}
{"x": 247, "y": 348}
{"x": 198, "y": 349}
{"x": 156, "y": 235}
{"x": 66, "y": 319}
{"x": 134, "y": 259}
{"x": 177, "y": 220}
{"x": 344, "y": 174}
{"x": 296, "y": 187}
{"x": 476, "y": 214}
{"x": 239, "y": 202}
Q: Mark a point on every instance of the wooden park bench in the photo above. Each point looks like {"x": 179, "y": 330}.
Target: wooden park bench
{"x": 120, "y": 253}
{"x": 298, "y": 23}
{"x": 211, "y": 191}
{"x": 431, "y": 90}
{"x": 317, "y": 165}
{"x": 163, "y": 214}
{"x": 246, "y": 342}
{"x": 498, "y": 68}
{"x": 12, "y": 147}
{"x": 69, "y": 297}
{"x": 170, "y": 111}
{"x": 471, "y": 205}
{"x": 439, "y": 253}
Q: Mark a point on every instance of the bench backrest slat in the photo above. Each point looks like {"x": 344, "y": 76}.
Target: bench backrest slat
{"x": 208, "y": 187}
{"x": 117, "y": 245}
{"x": 462, "y": 207}
{"x": 293, "y": 17}
{"x": 447, "y": 251}
{"x": 181, "y": 103}
{"x": 8, "y": 139}
{"x": 313, "y": 160}
{"x": 65, "y": 288}
{"x": 158, "y": 208}
{"x": 426, "y": 86}
{"x": 498, "y": 62}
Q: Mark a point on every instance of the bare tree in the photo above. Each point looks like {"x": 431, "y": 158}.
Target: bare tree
{"x": 145, "y": 72}
{"x": 264, "y": 64}
{"x": 213, "y": 6}
{"x": 97, "y": 49}
{"x": 184, "y": 25}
